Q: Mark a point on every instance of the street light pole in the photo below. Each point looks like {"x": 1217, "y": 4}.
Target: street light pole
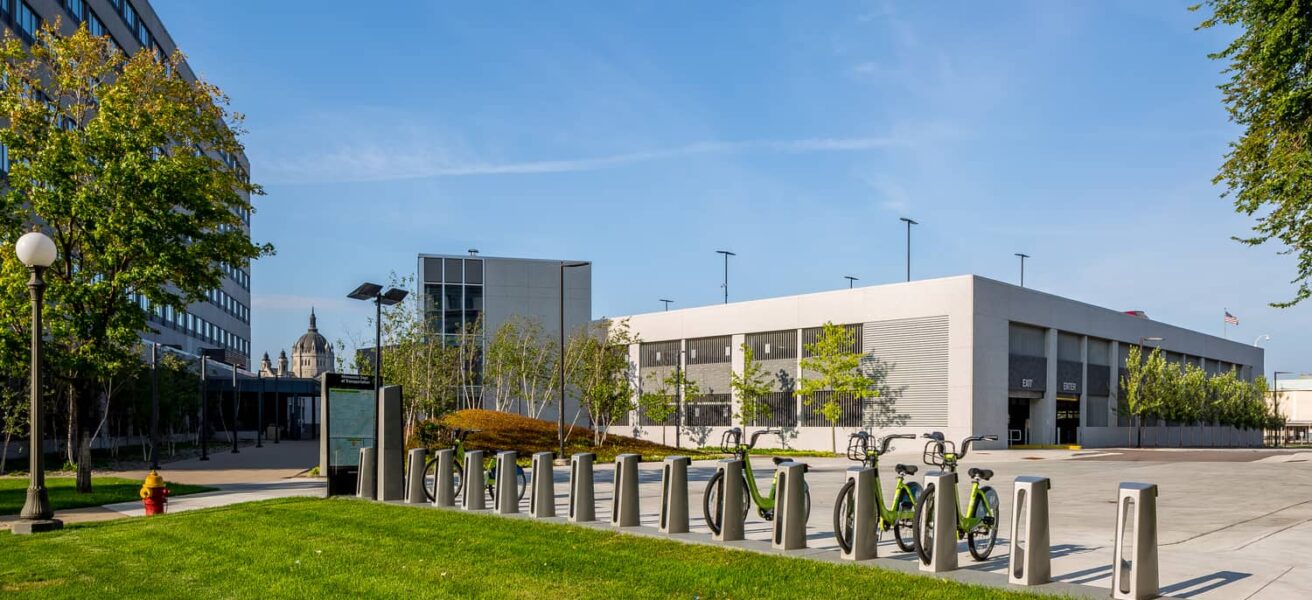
{"x": 725, "y": 285}
{"x": 236, "y": 406}
{"x": 909, "y": 223}
{"x": 259, "y": 414}
{"x": 1261, "y": 338}
{"x": 850, "y": 281}
{"x": 560, "y": 410}
{"x": 204, "y": 409}
{"x": 38, "y": 252}
{"x": 374, "y": 292}
{"x": 277, "y": 406}
{"x": 154, "y": 406}
{"x": 1022, "y": 256}
{"x": 667, "y": 304}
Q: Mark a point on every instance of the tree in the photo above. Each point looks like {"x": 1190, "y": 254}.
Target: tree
{"x": 838, "y": 375}
{"x": 663, "y": 402}
{"x": 1268, "y": 170}
{"x": 598, "y": 367}
{"x": 122, "y": 162}
{"x": 521, "y": 365}
{"x": 14, "y": 417}
{"x": 751, "y": 388}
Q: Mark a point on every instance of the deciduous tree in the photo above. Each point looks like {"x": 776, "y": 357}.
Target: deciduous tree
{"x": 122, "y": 161}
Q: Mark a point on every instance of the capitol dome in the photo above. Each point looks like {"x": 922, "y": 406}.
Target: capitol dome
{"x": 311, "y": 354}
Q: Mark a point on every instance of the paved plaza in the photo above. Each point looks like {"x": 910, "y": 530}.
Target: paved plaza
{"x": 1231, "y": 527}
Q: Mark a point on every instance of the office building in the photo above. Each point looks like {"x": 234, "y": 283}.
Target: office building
{"x": 963, "y": 355}
{"x": 459, "y": 290}
{"x": 220, "y": 325}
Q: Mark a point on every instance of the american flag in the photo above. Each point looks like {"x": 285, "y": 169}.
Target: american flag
{"x": 1231, "y": 319}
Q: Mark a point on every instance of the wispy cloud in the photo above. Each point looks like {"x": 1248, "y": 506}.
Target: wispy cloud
{"x": 293, "y": 302}
{"x": 373, "y": 162}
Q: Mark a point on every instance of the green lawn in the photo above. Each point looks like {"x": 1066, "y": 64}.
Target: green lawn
{"x": 341, "y": 548}
{"x": 105, "y": 490}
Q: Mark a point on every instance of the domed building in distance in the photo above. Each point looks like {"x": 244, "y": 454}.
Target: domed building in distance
{"x": 311, "y": 354}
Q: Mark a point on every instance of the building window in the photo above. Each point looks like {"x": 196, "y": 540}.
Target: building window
{"x": 75, "y": 9}
{"x": 27, "y": 20}
{"x": 94, "y": 25}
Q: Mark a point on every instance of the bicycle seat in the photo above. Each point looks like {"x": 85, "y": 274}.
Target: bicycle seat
{"x": 906, "y": 469}
{"x": 779, "y": 460}
{"x": 984, "y": 474}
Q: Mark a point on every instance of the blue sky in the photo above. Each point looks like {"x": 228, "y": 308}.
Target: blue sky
{"x": 646, "y": 136}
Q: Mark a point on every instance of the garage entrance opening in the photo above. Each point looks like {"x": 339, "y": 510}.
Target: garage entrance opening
{"x": 1018, "y": 421}
{"x": 1068, "y": 419}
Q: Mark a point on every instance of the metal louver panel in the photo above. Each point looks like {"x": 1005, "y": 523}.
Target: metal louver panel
{"x": 910, "y": 359}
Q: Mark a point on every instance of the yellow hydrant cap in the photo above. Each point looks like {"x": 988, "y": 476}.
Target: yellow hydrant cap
{"x": 153, "y": 480}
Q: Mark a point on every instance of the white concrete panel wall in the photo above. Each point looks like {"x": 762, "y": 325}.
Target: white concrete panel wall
{"x": 949, "y": 297}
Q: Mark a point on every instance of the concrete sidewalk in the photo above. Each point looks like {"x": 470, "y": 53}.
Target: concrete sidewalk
{"x": 272, "y": 471}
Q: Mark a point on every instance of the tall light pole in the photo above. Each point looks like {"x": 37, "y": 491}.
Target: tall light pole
{"x": 560, "y": 411}
{"x": 154, "y": 406}
{"x": 277, "y": 406}
{"x": 909, "y": 223}
{"x": 667, "y": 304}
{"x": 236, "y": 406}
{"x": 850, "y": 280}
{"x": 1261, "y": 338}
{"x": 259, "y": 414}
{"x": 725, "y": 285}
{"x": 1022, "y": 257}
{"x": 38, "y": 252}
{"x": 204, "y": 407}
{"x": 375, "y": 293}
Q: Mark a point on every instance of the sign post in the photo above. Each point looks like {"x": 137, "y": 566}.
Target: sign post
{"x": 350, "y": 422}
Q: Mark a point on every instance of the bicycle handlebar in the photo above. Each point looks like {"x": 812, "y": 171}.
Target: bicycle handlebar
{"x": 965, "y": 444}
{"x": 888, "y": 439}
{"x": 756, "y": 435}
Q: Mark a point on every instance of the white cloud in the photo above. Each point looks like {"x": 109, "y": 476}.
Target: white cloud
{"x": 377, "y": 162}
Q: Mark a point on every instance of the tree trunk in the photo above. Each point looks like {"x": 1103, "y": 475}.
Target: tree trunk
{"x": 4, "y": 452}
{"x": 84, "y": 463}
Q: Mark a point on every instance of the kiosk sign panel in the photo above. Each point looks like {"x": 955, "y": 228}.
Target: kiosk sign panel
{"x": 350, "y": 410}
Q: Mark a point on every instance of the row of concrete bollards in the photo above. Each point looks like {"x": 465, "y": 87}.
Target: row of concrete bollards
{"x": 1135, "y": 573}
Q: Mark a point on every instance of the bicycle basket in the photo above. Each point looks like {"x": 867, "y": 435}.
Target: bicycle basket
{"x": 729, "y": 441}
{"x": 857, "y": 447}
{"x": 935, "y": 452}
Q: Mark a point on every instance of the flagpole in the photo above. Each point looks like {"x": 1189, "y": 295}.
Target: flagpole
{"x": 1225, "y": 331}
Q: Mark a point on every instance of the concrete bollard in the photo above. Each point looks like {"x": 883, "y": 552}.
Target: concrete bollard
{"x": 507, "y": 496}
{"x": 732, "y": 516}
{"x": 542, "y": 498}
{"x": 789, "y": 531}
{"x": 474, "y": 498}
{"x": 943, "y": 554}
{"x": 414, "y": 488}
{"x": 674, "y": 494}
{"x": 582, "y": 496}
{"x": 1134, "y": 577}
{"x": 624, "y": 501}
{"x": 444, "y": 485}
{"x": 1030, "y": 561}
{"x": 366, "y": 485}
{"x": 863, "y": 538}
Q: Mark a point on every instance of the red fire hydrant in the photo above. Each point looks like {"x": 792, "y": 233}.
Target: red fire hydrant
{"x": 154, "y": 494}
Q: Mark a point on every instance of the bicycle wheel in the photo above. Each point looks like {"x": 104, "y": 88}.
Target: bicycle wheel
{"x": 522, "y": 481}
{"x": 711, "y": 502}
{"x": 430, "y": 480}
{"x": 458, "y": 478}
{"x": 982, "y": 538}
{"x": 845, "y": 516}
{"x": 903, "y": 533}
{"x": 923, "y": 521}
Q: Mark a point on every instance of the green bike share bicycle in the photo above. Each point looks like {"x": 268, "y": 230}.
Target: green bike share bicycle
{"x": 458, "y": 470}
{"x": 979, "y": 524}
{"x": 732, "y": 441}
{"x": 897, "y": 516}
